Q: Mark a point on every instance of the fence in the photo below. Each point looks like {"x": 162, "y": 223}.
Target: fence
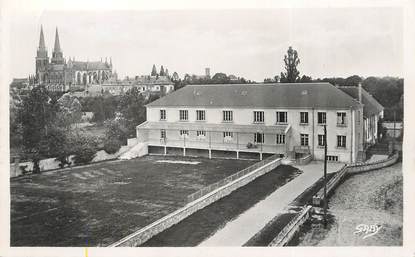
{"x": 214, "y": 186}
{"x": 291, "y": 228}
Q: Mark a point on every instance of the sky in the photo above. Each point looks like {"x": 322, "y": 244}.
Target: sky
{"x": 249, "y": 43}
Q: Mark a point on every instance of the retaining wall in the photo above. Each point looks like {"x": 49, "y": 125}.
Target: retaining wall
{"x": 291, "y": 228}
{"x": 363, "y": 167}
{"x": 352, "y": 169}
{"x": 305, "y": 160}
{"x": 173, "y": 218}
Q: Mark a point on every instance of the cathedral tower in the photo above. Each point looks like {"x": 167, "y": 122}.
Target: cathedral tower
{"x": 57, "y": 55}
{"x": 42, "y": 59}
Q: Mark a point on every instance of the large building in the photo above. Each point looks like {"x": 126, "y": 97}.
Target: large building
{"x": 58, "y": 74}
{"x": 284, "y": 119}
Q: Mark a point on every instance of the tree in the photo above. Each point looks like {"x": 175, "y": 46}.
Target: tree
{"x": 117, "y": 129}
{"x": 37, "y": 115}
{"x": 131, "y": 107}
{"x": 162, "y": 71}
{"x": 15, "y": 107}
{"x": 291, "y": 61}
{"x": 353, "y": 80}
{"x": 220, "y": 78}
{"x": 70, "y": 109}
{"x": 154, "y": 71}
{"x": 306, "y": 79}
{"x": 175, "y": 77}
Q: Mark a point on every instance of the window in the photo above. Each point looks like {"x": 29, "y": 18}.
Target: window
{"x": 163, "y": 134}
{"x": 341, "y": 141}
{"x": 201, "y": 133}
{"x": 227, "y": 116}
{"x": 281, "y": 117}
{"x": 184, "y": 133}
{"x": 258, "y": 116}
{"x": 280, "y": 139}
{"x": 304, "y": 139}
{"x": 227, "y": 136}
{"x": 162, "y": 114}
{"x": 332, "y": 158}
{"x": 321, "y": 140}
{"x": 321, "y": 118}
{"x": 184, "y": 115}
{"x": 200, "y": 115}
{"x": 341, "y": 118}
{"x": 304, "y": 117}
{"x": 259, "y": 138}
{"x": 358, "y": 117}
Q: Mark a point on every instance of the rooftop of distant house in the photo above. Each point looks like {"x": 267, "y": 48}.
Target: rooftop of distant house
{"x": 140, "y": 80}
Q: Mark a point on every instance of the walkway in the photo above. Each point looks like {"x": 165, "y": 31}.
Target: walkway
{"x": 240, "y": 230}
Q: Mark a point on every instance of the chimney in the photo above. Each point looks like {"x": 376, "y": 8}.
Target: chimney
{"x": 360, "y": 92}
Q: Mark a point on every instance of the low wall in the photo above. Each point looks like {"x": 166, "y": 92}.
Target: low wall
{"x": 53, "y": 164}
{"x": 291, "y": 228}
{"x": 352, "y": 169}
{"x": 305, "y": 160}
{"x": 173, "y": 218}
{"x": 132, "y": 141}
{"x": 331, "y": 185}
{"x": 363, "y": 167}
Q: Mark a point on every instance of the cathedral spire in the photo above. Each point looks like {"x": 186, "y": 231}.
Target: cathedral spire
{"x": 57, "y": 47}
{"x": 42, "y": 45}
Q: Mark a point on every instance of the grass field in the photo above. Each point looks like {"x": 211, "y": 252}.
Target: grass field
{"x": 100, "y": 204}
{"x": 204, "y": 223}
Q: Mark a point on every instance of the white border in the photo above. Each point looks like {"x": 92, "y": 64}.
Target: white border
{"x": 10, "y": 8}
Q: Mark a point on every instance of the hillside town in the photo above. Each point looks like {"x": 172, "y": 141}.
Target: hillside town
{"x": 208, "y": 159}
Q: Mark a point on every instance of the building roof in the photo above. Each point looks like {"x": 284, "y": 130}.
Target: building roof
{"x": 90, "y": 65}
{"x": 279, "y": 95}
{"x": 371, "y": 105}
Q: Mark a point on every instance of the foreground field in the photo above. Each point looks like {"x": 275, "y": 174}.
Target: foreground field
{"x": 372, "y": 198}
{"x": 100, "y": 204}
{"x": 204, "y": 223}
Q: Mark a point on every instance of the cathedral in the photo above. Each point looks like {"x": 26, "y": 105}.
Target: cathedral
{"x": 57, "y": 74}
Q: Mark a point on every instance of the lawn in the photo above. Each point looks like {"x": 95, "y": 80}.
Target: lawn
{"x": 204, "y": 223}
{"x": 100, "y": 204}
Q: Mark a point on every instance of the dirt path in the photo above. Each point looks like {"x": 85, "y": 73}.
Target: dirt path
{"x": 372, "y": 198}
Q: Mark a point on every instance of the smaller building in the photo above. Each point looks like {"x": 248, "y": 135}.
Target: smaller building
{"x": 145, "y": 84}
{"x": 393, "y": 129}
{"x": 372, "y": 112}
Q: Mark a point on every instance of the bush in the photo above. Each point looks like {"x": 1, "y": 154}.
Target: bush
{"x": 112, "y": 146}
{"x": 85, "y": 148}
{"x": 85, "y": 155}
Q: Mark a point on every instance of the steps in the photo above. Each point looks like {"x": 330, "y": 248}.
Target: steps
{"x": 136, "y": 151}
